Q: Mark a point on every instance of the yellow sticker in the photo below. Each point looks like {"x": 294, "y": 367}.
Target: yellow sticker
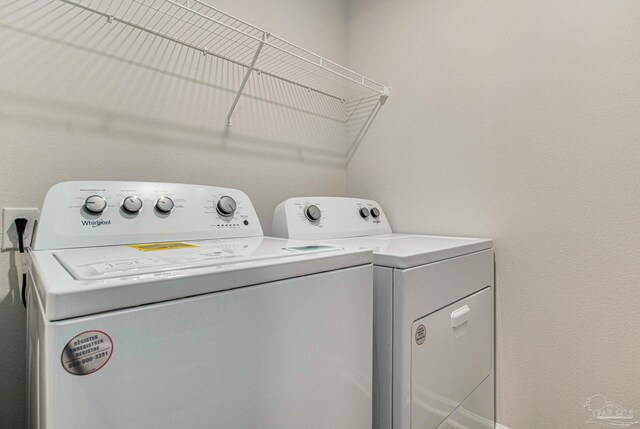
{"x": 154, "y": 247}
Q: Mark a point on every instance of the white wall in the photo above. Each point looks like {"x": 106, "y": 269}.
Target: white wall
{"x": 72, "y": 113}
{"x": 519, "y": 120}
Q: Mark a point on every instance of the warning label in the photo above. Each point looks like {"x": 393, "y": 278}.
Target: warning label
{"x": 154, "y": 247}
{"x": 87, "y": 352}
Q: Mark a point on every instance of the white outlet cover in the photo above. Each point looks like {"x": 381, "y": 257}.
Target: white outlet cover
{"x": 9, "y": 233}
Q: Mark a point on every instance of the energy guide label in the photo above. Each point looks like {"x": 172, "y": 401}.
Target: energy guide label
{"x": 87, "y": 352}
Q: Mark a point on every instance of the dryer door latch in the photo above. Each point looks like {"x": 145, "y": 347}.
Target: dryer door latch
{"x": 460, "y": 316}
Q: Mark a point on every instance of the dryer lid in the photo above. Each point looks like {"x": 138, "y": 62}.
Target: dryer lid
{"x": 411, "y": 250}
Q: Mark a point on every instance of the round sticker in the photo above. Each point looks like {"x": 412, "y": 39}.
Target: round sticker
{"x": 421, "y": 334}
{"x": 87, "y": 352}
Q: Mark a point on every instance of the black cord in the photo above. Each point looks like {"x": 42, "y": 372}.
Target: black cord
{"x": 21, "y": 226}
{"x": 23, "y": 294}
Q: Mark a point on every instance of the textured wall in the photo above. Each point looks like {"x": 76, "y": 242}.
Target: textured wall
{"x": 82, "y": 100}
{"x": 519, "y": 120}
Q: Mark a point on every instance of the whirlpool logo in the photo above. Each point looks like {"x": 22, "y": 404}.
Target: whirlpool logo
{"x": 96, "y": 223}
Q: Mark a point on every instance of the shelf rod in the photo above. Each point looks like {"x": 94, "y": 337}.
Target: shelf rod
{"x": 321, "y": 59}
{"x": 276, "y": 47}
{"x": 270, "y": 74}
{"x": 112, "y": 18}
{"x": 246, "y": 78}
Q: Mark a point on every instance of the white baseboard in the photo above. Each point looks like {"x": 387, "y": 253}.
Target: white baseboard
{"x": 499, "y": 426}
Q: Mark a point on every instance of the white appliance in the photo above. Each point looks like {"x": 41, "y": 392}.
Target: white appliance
{"x": 433, "y": 313}
{"x": 156, "y": 305}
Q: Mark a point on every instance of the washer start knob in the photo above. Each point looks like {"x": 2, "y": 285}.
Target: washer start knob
{"x": 313, "y": 213}
{"x": 164, "y": 204}
{"x": 132, "y": 204}
{"x": 95, "y": 204}
{"x": 375, "y": 212}
{"x": 226, "y": 206}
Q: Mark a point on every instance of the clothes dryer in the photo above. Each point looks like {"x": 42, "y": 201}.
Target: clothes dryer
{"x": 433, "y": 313}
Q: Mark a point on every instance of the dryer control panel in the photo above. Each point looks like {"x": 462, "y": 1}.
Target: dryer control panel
{"x": 82, "y": 214}
{"x": 320, "y": 218}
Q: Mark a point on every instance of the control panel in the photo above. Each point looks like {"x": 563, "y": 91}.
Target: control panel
{"x": 82, "y": 214}
{"x": 319, "y": 218}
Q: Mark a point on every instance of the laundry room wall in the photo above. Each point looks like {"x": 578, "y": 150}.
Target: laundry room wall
{"x": 518, "y": 120}
{"x": 83, "y": 99}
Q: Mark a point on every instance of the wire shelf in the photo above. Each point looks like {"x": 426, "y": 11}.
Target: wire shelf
{"x": 211, "y": 31}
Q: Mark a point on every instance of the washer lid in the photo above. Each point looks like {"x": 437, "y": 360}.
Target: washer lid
{"x": 76, "y": 282}
{"x": 410, "y": 250}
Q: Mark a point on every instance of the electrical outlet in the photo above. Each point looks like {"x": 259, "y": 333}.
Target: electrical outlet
{"x": 9, "y": 233}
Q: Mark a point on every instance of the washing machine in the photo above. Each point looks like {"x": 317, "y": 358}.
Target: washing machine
{"x": 158, "y": 305}
{"x": 433, "y": 313}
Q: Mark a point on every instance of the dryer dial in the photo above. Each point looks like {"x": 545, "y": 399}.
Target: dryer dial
{"x": 313, "y": 213}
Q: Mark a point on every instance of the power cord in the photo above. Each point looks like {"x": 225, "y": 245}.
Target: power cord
{"x": 21, "y": 226}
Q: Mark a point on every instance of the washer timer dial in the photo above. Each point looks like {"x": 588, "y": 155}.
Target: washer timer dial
{"x": 226, "y": 206}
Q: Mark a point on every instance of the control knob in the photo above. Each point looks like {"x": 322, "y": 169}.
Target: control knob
{"x": 313, "y": 213}
{"x": 95, "y": 204}
{"x": 375, "y": 212}
{"x": 164, "y": 204}
{"x": 132, "y": 204}
{"x": 226, "y": 206}
{"x": 364, "y": 212}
